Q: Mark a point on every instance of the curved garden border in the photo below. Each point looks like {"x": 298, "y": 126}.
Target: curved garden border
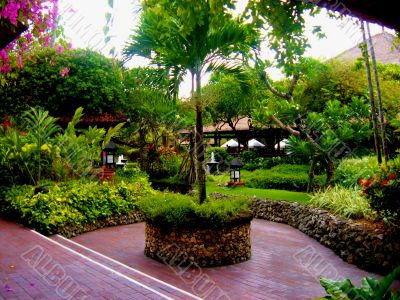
{"x": 373, "y": 249}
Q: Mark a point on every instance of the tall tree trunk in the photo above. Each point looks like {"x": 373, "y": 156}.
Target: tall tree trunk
{"x": 330, "y": 171}
{"x": 311, "y": 173}
{"x": 364, "y": 51}
{"x": 200, "y": 169}
{"x": 379, "y": 98}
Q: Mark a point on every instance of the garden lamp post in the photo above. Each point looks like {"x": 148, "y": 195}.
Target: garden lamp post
{"x": 235, "y": 167}
{"x": 109, "y": 151}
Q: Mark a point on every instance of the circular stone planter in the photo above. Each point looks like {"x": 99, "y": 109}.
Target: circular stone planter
{"x": 200, "y": 246}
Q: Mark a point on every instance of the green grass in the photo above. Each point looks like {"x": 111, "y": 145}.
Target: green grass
{"x": 213, "y": 187}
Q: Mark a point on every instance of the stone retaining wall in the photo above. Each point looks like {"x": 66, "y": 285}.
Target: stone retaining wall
{"x": 370, "y": 248}
{"x": 201, "y": 247}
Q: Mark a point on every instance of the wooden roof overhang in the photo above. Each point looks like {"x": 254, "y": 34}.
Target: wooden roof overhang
{"x": 381, "y": 12}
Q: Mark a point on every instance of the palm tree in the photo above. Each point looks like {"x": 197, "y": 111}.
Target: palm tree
{"x": 203, "y": 48}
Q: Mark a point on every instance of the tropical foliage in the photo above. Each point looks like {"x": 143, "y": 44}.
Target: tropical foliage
{"x": 370, "y": 289}
{"x": 189, "y": 36}
{"x": 326, "y": 136}
{"x": 37, "y": 149}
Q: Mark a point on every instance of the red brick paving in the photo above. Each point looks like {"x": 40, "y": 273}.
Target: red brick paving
{"x": 285, "y": 264}
{"x": 33, "y": 267}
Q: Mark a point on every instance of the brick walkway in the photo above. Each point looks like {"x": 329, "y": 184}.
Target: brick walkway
{"x": 35, "y": 267}
{"x": 285, "y": 264}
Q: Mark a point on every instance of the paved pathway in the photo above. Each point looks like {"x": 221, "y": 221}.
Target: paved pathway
{"x": 109, "y": 264}
{"x": 285, "y": 264}
{"x": 35, "y": 267}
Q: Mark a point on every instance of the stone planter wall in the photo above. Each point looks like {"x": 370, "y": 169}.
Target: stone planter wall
{"x": 203, "y": 247}
{"x": 372, "y": 249}
{"x": 73, "y": 230}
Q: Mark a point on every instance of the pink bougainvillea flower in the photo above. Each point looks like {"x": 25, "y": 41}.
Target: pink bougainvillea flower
{"x": 64, "y": 72}
{"x": 32, "y": 283}
{"x": 19, "y": 63}
{"x": 69, "y": 47}
{"x": 60, "y": 49}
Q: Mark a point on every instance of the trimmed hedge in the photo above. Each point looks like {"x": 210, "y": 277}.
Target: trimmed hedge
{"x": 183, "y": 211}
{"x": 281, "y": 177}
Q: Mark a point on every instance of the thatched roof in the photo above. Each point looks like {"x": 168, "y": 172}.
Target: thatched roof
{"x": 385, "y": 50}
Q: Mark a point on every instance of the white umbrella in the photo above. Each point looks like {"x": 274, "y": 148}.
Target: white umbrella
{"x": 254, "y": 143}
{"x": 231, "y": 143}
{"x": 282, "y": 144}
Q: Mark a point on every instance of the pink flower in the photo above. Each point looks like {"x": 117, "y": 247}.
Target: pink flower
{"x": 28, "y": 37}
{"x": 20, "y": 64}
{"x": 60, "y": 49}
{"x": 64, "y": 72}
{"x": 46, "y": 41}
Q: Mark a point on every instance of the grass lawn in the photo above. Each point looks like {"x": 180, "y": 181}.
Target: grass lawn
{"x": 213, "y": 187}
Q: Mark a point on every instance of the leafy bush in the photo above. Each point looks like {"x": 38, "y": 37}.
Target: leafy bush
{"x": 253, "y": 162}
{"x": 350, "y": 170}
{"x": 283, "y": 177}
{"x": 93, "y": 82}
{"x": 383, "y": 190}
{"x": 160, "y": 162}
{"x": 73, "y": 203}
{"x": 180, "y": 211}
{"x": 370, "y": 289}
{"x": 130, "y": 172}
{"x": 343, "y": 201}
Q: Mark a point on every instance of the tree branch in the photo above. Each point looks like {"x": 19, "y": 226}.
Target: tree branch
{"x": 298, "y": 132}
{"x": 284, "y": 126}
{"x": 288, "y": 95}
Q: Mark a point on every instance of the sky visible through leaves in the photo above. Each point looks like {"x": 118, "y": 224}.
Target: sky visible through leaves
{"x": 84, "y": 23}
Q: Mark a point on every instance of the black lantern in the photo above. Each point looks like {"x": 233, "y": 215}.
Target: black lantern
{"x": 235, "y": 167}
{"x": 108, "y": 154}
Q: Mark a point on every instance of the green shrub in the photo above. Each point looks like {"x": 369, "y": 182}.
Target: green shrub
{"x": 282, "y": 177}
{"x": 350, "y": 170}
{"x": 383, "y": 190}
{"x": 73, "y": 203}
{"x": 253, "y": 160}
{"x": 180, "y": 211}
{"x": 130, "y": 172}
{"x": 345, "y": 202}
